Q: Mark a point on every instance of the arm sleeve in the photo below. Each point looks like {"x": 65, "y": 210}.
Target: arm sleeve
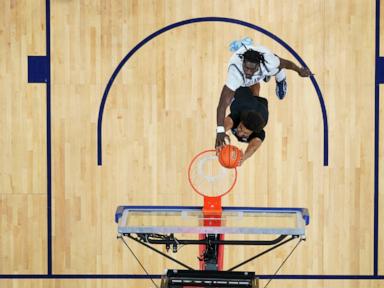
{"x": 234, "y": 78}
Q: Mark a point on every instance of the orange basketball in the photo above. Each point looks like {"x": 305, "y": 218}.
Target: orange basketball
{"x": 230, "y": 156}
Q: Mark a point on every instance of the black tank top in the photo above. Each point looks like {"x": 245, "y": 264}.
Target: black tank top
{"x": 244, "y": 100}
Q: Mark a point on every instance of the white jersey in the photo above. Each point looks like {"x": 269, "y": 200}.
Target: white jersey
{"x": 236, "y": 76}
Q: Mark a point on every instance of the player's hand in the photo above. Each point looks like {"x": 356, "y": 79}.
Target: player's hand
{"x": 220, "y": 141}
{"x": 305, "y": 72}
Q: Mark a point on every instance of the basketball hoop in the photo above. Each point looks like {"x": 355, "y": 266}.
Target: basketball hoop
{"x": 210, "y": 179}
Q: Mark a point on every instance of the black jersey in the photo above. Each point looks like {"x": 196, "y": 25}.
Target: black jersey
{"x": 244, "y": 100}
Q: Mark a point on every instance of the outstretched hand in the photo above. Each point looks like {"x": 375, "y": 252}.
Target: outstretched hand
{"x": 220, "y": 141}
{"x": 305, "y": 72}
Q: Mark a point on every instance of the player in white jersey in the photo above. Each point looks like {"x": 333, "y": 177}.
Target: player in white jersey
{"x": 247, "y": 67}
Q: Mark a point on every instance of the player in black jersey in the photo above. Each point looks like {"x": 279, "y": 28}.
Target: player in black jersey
{"x": 247, "y": 119}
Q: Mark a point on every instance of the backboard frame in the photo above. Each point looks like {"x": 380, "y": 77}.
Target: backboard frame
{"x": 302, "y": 220}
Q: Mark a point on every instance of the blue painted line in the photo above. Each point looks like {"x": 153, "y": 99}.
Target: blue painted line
{"x": 376, "y": 187}
{"x": 379, "y": 68}
{"x": 49, "y": 139}
{"x": 323, "y": 277}
{"x": 196, "y": 20}
{"x": 158, "y": 276}
{"x": 38, "y": 69}
{"x": 325, "y": 122}
{"x": 79, "y": 276}
{"x": 379, "y": 77}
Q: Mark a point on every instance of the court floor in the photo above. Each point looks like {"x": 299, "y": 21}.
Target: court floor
{"x": 126, "y": 94}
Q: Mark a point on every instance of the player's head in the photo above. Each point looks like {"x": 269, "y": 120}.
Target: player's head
{"x": 250, "y": 121}
{"x": 251, "y": 62}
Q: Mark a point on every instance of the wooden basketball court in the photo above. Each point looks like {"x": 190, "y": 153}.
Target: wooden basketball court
{"x": 61, "y": 182}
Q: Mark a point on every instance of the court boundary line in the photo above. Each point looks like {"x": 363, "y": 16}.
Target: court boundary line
{"x": 49, "y": 138}
{"x": 376, "y": 144}
{"x": 158, "y": 276}
{"x": 50, "y": 275}
{"x": 376, "y": 181}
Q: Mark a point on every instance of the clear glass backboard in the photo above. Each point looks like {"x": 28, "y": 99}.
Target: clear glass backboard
{"x": 233, "y": 220}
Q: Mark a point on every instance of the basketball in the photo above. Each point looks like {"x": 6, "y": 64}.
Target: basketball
{"x": 230, "y": 156}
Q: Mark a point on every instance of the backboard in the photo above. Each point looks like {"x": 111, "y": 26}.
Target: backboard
{"x": 233, "y": 220}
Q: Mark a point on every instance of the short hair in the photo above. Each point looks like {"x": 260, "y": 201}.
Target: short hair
{"x": 252, "y": 120}
{"x": 253, "y": 56}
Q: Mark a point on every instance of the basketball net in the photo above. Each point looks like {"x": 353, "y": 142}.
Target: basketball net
{"x": 209, "y": 179}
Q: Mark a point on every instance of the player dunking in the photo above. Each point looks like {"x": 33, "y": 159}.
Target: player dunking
{"x": 248, "y": 116}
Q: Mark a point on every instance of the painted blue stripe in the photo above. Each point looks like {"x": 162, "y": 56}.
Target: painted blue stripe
{"x": 379, "y": 68}
{"x": 207, "y": 19}
{"x": 323, "y": 277}
{"x": 49, "y": 139}
{"x": 158, "y": 276}
{"x": 38, "y": 69}
{"x": 379, "y": 76}
{"x": 79, "y": 276}
{"x": 325, "y": 122}
{"x": 376, "y": 186}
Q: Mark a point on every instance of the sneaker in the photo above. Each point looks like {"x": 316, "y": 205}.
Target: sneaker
{"x": 281, "y": 89}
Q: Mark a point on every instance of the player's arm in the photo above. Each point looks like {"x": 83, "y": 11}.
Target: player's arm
{"x": 287, "y": 64}
{"x": 253, "y": 145}
{"x": 225, "y": 99}
{"x": 228, "y": 123}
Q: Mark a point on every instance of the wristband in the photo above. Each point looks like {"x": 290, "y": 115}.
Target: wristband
{"x": 220, "y": 129}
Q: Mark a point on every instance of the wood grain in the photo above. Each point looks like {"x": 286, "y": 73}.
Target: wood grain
{"x": 161, "y": 111}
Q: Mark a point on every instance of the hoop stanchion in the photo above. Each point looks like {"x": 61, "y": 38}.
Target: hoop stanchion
{"x": 210, "y": 179}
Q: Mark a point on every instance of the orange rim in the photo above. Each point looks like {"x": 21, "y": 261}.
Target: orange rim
{"x": 193, "y": 186}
